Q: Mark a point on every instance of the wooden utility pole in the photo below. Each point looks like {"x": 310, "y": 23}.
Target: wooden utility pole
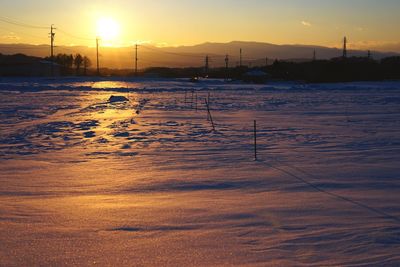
{"x": 240, "y": 62}
{"x": 97, "y": 56}
{"x": 226, "y": 67}
{"x": 52, "y": 37}
{"x": 136, "y": 60}
{"x": 207, "y": 61}
{"x": 345, "y": 47}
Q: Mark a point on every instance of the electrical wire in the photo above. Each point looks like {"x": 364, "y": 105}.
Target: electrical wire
{"x": 21, "y": 24}
{"x": 24, "y": 34}
{"x": 22, "y": 47}
{"x": 171, "y": 53}
{"x": 75, "y": 36}
{"x": 334, "y": 195}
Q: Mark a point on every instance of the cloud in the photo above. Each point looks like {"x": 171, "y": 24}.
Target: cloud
{"x": 163, "y": 44}
{"x": 11, "y": 36}
{"x": 374, "y": 45}
{"x": 140, "y": 42}
{"x": 306, "y": 23}
{"x": 377, "y": 45}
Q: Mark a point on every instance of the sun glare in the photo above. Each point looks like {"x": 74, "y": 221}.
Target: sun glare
{"x": 108, "y": 29}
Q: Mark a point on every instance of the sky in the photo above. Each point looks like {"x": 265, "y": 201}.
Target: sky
{"x": 187, "y": 22}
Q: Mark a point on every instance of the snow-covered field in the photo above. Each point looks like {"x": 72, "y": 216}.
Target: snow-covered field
{"x": 147, "y": 182}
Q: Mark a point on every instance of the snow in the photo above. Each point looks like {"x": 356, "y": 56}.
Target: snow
{"x": 86, "y": 181}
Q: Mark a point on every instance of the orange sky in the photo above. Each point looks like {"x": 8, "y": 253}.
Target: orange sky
{"x": 367, "y": 23}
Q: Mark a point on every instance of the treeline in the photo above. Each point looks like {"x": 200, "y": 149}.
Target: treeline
{"x": 72, "y": 64}
{"x": 333, "y": 70}
{"x": 337, "y": 70}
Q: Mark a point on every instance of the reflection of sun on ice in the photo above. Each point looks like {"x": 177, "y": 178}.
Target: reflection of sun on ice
{"x": 107, "y": 29}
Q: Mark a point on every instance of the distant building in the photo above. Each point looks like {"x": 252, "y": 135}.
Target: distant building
{"x": 22, "y": 65}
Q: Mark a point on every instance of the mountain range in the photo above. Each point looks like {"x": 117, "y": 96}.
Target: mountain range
{"x": 253, "y": 54}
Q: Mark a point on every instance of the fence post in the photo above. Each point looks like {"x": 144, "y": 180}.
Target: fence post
{"x": 196, "y": 101}
{"x": 208, "y": 106}
{"x": 255, "y": 140}
{"x": 209, "y": 114}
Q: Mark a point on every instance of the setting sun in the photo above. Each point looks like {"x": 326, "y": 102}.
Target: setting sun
{"x": 108, "y": 29}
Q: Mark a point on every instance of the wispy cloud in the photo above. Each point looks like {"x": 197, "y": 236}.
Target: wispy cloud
{"x": 375, "y": 45}
{"x": 163, "y": 44}
{"x": 140, "y": 42}
{"x": 306, "y": 23}
{"x": 11, "y": 36}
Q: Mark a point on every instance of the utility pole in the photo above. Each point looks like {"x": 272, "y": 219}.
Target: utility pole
{"x": 97, "y": 56}
{"x": 207, "y": 61}
{"x": 240, "y": 63}
{"x": 226, "y": 66}
{"x": 136, "y": 59}
{"x": 345, "y": 47}
{"x": 52, "y": 37}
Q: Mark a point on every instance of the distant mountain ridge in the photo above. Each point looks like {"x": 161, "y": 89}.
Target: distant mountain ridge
{"x": 253, "y": 53}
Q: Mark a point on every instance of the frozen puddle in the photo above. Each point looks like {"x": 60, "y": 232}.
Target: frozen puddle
{"x": 148, "y": 182}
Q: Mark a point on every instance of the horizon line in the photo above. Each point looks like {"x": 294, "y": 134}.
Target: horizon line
{"x": 373, "y": 48}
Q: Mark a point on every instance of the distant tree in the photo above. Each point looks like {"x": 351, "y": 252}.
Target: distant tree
{"x": 86, "y": 64}
{"x": 78, "y": 60}
{"x": 69, "y": 61}
{"x": 65, "y": 61}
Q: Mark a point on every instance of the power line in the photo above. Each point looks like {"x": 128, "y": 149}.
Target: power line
{"x": 21, "y": 24}
{"x": 23, "y": 34}
{"x": 334, "y": 195}
{"x": 23, "y": 47}
{"x": 171, "y": 53}
{"x": 69, "y": 49}
{"x": 75, "y": 36}
{"x": 26, "y": 25}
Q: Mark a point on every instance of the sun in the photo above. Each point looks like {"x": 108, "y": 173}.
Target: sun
{"x": 108, "y": 29}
